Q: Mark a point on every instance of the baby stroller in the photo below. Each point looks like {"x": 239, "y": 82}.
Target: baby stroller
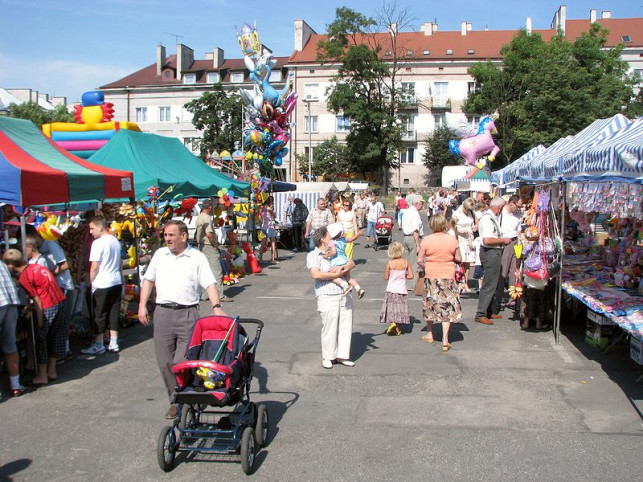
{"x": 383, "y": 231}
{"x": 216, "y": 374}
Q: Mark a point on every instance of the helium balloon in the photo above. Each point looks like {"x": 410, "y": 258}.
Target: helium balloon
{"x": 249, "y": 40}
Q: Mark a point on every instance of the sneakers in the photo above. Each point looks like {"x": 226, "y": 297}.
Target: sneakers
{"x": 113, "y": 347}
{"x": 360, "y": 293}
{"x": 328, "y": 364}
{"x": 225, "y": 299}
{"x": 346, "y": 363}
{"x": 94, "y": 349}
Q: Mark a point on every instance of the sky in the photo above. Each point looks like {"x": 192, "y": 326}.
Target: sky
{"x": 67, "y": 47}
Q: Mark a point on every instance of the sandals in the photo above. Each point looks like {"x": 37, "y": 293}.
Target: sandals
{"x": 427, "y": 339}
{"x": 446, "y": 347}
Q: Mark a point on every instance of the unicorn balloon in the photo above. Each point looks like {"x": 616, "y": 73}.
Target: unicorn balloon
{"x": 474, "y": 147}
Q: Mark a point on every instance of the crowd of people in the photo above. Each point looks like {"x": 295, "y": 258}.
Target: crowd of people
{"x": 463, "y": 233}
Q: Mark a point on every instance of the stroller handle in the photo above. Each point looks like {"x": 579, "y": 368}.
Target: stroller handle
{"x": 254, "y": 321}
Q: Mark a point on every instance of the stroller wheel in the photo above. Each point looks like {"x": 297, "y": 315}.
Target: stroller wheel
{"x": 166, "y": 448}
{"x": 188, "y": 420}
{"x": 247, "y": 450}
{"x": 262, "y": 426}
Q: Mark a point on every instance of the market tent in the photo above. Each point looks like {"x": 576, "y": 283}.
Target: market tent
{"x": 323, "y": 187}
{"x": 35, "y": 171}
{"x": 558, "y": 158}
{"x": 509, "y": 174}
{"x": 163, "y": 162}
{"x": 618, "y": 158}
{"x": 475, "y": 180}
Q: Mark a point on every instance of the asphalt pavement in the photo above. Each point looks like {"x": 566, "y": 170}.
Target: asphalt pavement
{"x": 503, "y": 404}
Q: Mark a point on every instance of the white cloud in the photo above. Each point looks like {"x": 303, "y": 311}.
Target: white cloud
{"x": 60, "y": 77}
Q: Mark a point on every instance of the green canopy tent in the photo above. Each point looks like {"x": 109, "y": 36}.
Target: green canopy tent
{"x": 164, "y": 162}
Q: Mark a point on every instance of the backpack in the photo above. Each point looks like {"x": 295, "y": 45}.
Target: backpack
{"x": 299, "y": 214}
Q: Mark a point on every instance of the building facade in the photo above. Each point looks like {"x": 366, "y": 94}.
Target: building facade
{"x": 432, "y": 73}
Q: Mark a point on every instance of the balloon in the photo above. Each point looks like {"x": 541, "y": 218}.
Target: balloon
{"x": 268, "y": 111}
{"x": 256, "y": 137}
{"x": 249, "y": 40}
{"x": 224, "y": 190}
{"x": 471, "y": 148}
{"x": 231, "y": 193}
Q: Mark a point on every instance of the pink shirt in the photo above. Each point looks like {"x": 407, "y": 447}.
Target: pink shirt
{"x": 439, "y": 250}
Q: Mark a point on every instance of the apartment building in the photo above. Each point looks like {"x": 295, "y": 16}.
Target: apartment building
{"x": 433, "y": 75}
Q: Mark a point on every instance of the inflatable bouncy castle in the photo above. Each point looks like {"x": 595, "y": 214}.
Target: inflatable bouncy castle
{"x": 93, "y": 128}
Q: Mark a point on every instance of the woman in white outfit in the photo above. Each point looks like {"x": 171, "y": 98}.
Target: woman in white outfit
{"x": 465, "y": 227}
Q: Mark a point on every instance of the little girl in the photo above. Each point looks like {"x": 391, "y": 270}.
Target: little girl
{"x": 337, "y": 256}
{"x": 395, "y": 309}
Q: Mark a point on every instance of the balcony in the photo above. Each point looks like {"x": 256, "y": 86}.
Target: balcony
{"x": 409, "y": 135}
{"x": 440, "y": 102}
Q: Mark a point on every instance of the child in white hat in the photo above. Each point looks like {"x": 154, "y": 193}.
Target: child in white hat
{"x": 337, "y": 256}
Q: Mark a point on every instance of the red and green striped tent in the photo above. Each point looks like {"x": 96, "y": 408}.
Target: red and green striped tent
{"x": 35, "y": 171}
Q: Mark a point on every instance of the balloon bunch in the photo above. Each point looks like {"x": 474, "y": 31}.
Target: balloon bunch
{"x": 267, "y": 130}
{"x": 226, "y": 197}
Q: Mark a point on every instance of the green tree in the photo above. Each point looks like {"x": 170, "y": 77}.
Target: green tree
{"x": 365, "y": 87}
{"x": 547, "y": 90}
{"x": 218, "y": 113}
{"x": 38, "y": 115}
{"x": 437, "y": 154}
{"x": 330, "y": 160}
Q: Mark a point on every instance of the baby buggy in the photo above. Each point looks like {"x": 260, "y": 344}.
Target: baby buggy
{"x": 383, "y": 231}
{"x": 215, "y": 414}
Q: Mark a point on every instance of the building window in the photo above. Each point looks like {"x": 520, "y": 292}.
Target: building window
{"x": 311, "y": 91}
{"x": 408, "y": 92}
{"x": 192, "y": 143}
{"x": 141, "y": 114}
{"x": 236, "y": 77}
{"x": 440, "y": 119}
{"x": 626, "y": 38}
{"x": 471, "y": 52}
{"x": 472, "y": 88}
{"x": 449, "y": 51}
{"x": 164, "y": 114}
{"x": 315, "y": 124}
{"x": 440, "y": 94}
{"x": 408, "y": 157}
{"x": 189, "y": 79}
{"x": 212, "y": 77}
{"x": 408, "y": 134}
{"x": 343, "y": 123}
{"x": 275, "y": 76}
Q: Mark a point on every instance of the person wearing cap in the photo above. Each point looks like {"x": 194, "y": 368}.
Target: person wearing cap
{"x": 338, "y": 257}
{"x": 207, "y": 243}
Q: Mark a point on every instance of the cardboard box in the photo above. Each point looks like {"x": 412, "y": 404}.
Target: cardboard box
{"x": 636, "y": 350}
{"x": 599, "y": 318}
{"x": 599, "y": 335}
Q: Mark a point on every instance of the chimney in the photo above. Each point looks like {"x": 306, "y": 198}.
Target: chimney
{"x": 606, "y": 14}
{"x": 560, "y": 18}
{"x": 463, "y": 28}
{"x": 184, "y": 59}
{"x": 302, "y": 34}
{"x": 427, "y": 28}
{"x": 592, "y": 15}
{"x": 435, "y": 27}
{"x": 160, "y": 59}
{"x": 217, "y": 57}
{"x": 528, "y": 26}
{"x": 469, "y": 26}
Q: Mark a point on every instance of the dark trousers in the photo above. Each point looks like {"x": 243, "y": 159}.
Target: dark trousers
{"x": 508, "y": 263}
{"x": 105, "y": 307}
{"x": 492, "y": 264}
{"x": 298, "y": 236}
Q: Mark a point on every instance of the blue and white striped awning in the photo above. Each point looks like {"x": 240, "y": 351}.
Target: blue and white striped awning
{"x": 558, "y": 159}
{"x": 618, "y": 158}
{"x": 509, "y": 174}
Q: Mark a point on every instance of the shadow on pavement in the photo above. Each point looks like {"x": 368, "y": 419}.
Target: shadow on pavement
{"x": 12, "y": 468}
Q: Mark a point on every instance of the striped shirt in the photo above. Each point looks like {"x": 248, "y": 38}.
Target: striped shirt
{"x": 8, "y": 291}
{"x": 316, "y": 260}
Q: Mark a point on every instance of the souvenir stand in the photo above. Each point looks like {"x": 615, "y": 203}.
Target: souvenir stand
{"x": 599, "y": 171}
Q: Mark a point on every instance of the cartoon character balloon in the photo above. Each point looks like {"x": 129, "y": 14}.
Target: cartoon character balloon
{"x": 267, "y": 126}
{"x": 471, "y": 149}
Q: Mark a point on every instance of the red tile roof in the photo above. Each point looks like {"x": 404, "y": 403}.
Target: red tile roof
{"x": 477, "y": 44}
{"x": 146, "y": 77}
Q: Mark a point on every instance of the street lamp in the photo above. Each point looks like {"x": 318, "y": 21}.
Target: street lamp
{"x": 310, "y": 141}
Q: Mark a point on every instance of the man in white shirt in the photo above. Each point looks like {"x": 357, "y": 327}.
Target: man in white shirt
{"x": 509, "y": 221}
{"x": 180, "y": 273}
{"x": 359, "y": 207}
{"x": 374, "y": 210}
{"x": 106, "y": 277}
{"x": 412, "y": 196}
{"x": 491, "y": 256}
{"x": 413, "y": 230}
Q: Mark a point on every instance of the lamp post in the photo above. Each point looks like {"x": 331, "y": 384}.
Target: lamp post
{"x": 310, "y": 141}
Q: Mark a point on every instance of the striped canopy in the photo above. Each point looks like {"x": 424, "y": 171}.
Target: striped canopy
{"x": 35, "y": 171}
{"x": 509, "y": 174}
{"x": 618, "y": 158}
{"x": 558, "y": 158}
